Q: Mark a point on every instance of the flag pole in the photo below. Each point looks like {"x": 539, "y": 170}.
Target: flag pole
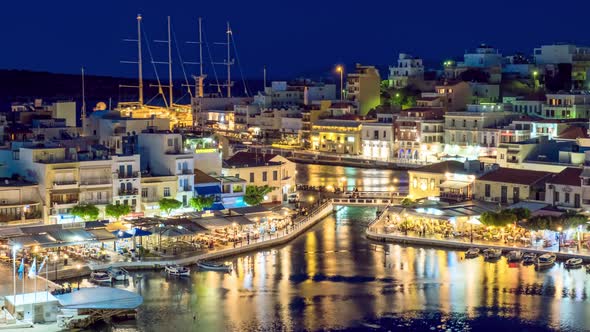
{"x": 14, "y": 249}
{"x": 46, "y": 279}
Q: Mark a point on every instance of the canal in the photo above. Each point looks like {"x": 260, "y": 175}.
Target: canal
{"x": 334, "y": 278}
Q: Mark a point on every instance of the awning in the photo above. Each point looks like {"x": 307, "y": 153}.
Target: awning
{"x": 217, "y": 206}
{"x": 122, "y": 234}
{"x": 139, "y": 232}
{"x": 71, "y": 235}
{"x": 102, "y": 234}
{"x": 208, "y": 190}
{"x": 100, "y": 298}
{"x": 454, "y": 184}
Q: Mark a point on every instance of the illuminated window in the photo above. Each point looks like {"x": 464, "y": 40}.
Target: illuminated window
{"x": 431, "y": 184}
{"x": 415, "y": 183}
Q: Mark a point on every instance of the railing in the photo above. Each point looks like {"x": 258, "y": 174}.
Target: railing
{"x": 65, "y": 184}
{"x": 95, "y": 182}
{"x": 453, "y": 196}
{"x": 124, "y": 192}
{"x": 126, "y": 175}
{"x": 187, "y": 171}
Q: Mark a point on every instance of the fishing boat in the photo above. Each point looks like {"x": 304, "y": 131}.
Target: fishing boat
{"x": 546, "y": 260}
{"x": 573, "y": 263}
{"x": 472, "y": 253}
{"x": 514, "y": 256}
{"x": 118, "y": 273}
{"x": 529, "y": 258}
{"x": 491, "y": 254}
{"x": 100, "y": 277}
{"x": 214, "y": 266}
{"x": 177, "y": 270}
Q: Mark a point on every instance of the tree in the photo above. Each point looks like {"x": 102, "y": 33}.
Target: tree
{"x": 85, "y": 211}
{"x": 117, "y": 210}
{"x": 200, "y": 202}
{"x": 255, "y": 194}
{"x": 568, "y": 220}
{"x": 498, "y": 219}
{"x": 408, "y": 202}
{"x": 169, "y": 204}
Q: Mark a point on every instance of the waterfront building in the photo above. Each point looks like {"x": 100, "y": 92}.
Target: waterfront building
{"x": 363, "y": 86}
{"x": 338, "y": 136}
{"x": 153, "y": 189}
{"x": 419, "y": 134}
{"x": 20, "y": 202}
{"x": 509, "y": 185}
{"x": 378, "y": 139}
{"x": 244, "y": 116}
{"x": 465, "y": 134}
{"x": 448, "y": 180}
{"x": 454, "y": 95}
{"x": 261, "y": 169}
{"x": 218, "y": 119}
{"x": 270, "y": 121}
{"x": 295, "y": 93}
{"x": 228, "y": 191}
{"x": 564, "y": 189}
{"x": 127, "y": 181}
{"x": 164, "y": 154}
{"x": 409, "y": 70}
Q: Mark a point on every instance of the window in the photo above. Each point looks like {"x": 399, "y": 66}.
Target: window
{"x": 170, "y": 142}
{"x": 464, "y": 123}
{"x": 144, "y": 192}
{"x": 431, "y": 184}
{"x": 121, "y": 170}
{"x": 133, "y": 202}
{"x": 566, "y": 199}
{"x": 415, "y": 182}
{"x": 264, "y": 176}
{"x": 122, "y": 186}
{"x": 275, "y": 175}
{"x": 556, "y": 196}
{"x": 488, "y": 189}
{"x": 166, "y": 191}
{"x": 251, "y": 177}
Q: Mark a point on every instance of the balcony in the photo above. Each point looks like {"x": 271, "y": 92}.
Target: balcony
{"x": 188, "y": 172}
{"x": 71, "y": 201}
{"x": 455, "y": 197}
{"x": 92, "y": 183}
{"x": 125, "y": 192}
{"x": 65, "y": 184}
{"x": 126, "y": 175}
{"x": 185, "y": 189}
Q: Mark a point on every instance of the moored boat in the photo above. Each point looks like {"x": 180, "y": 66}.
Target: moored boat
{"x": 100, "y": 277}
{"x": 514, "y": 256}
{"x": 118, "y": 273}
{"x": 214, "y": 266}
{"x": 177, "y": 270}
{"x": 491, "y": 254}
{"x": 529, "y": 258}
{"x": 546, "y": 260}
{"x": 587, "y": 266}
{"x": 472, "y": 253}
{"x": 574, "y": 263}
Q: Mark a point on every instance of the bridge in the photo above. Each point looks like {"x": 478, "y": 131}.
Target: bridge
{"x": 368, "y": 198}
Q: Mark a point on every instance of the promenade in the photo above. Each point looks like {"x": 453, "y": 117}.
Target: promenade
{"x": 300, "y": 225}
{"x": 377, "y": 231}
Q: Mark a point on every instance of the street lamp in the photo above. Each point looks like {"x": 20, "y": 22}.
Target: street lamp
{"x": 78, "y": 266}
{"x": 14, "y": 251}
{"x": 340, "y": 70}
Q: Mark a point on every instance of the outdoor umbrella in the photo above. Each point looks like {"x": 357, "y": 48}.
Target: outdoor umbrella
{"x": 138, "y": 232}
{"x": 122, "y": 235}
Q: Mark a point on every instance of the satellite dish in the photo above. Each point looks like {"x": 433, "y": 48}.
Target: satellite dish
{"x": 100, "y": 106}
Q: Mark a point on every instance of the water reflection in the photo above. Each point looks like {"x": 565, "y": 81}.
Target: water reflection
{"x": 364, "y": 179}
{"x": 333, "y": 278}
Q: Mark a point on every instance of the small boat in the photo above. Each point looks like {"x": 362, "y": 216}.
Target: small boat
{"x": 529, "y": 258}
{"x": 100, "y": 277}
{"x": 546, "y": 260}
{"x": 214, "y": 266}
{"x": 118, "y": 273}
{"x": 514, "y": 256}
{"x": 177, "y": 270}
{"x": 491, "y": 254}
{"x": 587, "y": 266}
{"x": 472, "y": 253}
{"x": 573, "y": 263}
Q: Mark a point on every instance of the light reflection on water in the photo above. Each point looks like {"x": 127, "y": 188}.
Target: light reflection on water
{"x": 333, "y": 278}
{"x": 364, "y": 179}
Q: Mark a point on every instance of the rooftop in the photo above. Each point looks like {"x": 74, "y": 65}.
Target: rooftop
{"x": 337, "y": 123}
{"x": 517, "y": 176}
{"x": 449, "y": 166}
{"x": 569, "y": 177}
{"x": 202, "y": 177}
{"x": 250, "y": 159}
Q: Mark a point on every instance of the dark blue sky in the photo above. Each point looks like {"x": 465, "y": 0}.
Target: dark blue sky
{"x": 304, "y": 37}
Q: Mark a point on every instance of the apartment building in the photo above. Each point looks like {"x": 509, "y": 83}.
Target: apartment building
{"x": 409, "y": 70}
{"x": 20, "y": 202}
{"x": 378, "y": 140}
{"x": 339, "y": 136}
{"x": 570, "y": 105}
{"x": 263, "y": 169}
{"x": 509, "y": 186}
{"x": 363, "y": 86}
{"x": 454, "y": 95}
{"x": 564, "y": 189}
{"x": 126, "y": 172}
{"x": 419, "y": 133}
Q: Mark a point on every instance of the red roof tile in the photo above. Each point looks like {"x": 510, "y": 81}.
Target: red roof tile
{"x": 518, "y": 176}
{"x": 574, "y": 132}
{"x": 569, "y": 177}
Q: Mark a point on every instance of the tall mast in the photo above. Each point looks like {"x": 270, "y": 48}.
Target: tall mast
{"x": 139, "y": 60}
{"x": 83, "y": 112}
{"x": 170, "y": 61}
{"x": 264, "y": 78}
{"x": 228, "y": 62}
{"x": 200, "y": 49}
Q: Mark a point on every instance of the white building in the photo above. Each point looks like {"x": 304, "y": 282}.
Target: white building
{"x": 377, "y": 140}
{"x": 164, "y": 154}
{"x": 127, "y": 181}
{"x": 484, "y": 56}
{"x": 407, "y": 70}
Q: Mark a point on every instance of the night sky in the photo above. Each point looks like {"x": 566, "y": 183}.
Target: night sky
{"x": 304, "y": 37}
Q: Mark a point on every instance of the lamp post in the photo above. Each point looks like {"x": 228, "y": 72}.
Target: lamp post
{"x": 14, "y": 251}
{"x": 340, "y": 70}
{"x": 79, "y": 277}
{"x": 55, "y": 261}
